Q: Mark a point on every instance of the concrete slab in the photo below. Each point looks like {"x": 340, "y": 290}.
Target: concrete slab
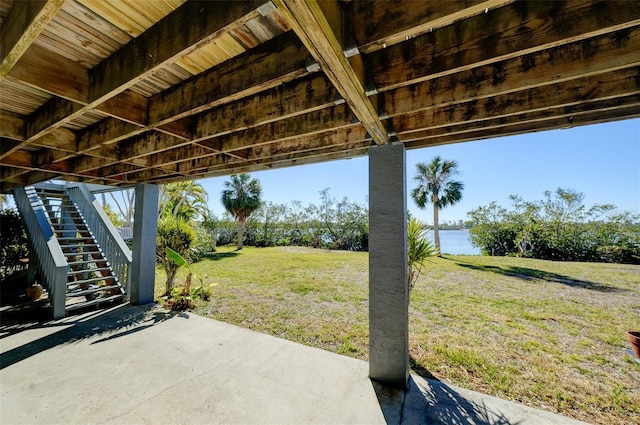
{"x": 141, "y": 365}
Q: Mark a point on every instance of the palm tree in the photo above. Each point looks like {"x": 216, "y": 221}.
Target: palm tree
{"x": 184, "y": 200}
{"x": 435, "y": 185}
{"x": 241, "y": 198}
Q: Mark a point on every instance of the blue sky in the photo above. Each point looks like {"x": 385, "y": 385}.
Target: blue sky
{"x": 602, "y": 161}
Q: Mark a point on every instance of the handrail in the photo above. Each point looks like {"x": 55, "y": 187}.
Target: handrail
{"x": 47, "y": 252}
{"x": 105, "y": 233}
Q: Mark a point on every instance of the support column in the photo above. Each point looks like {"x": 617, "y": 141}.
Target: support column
{"x": 388, "y": 284}
{"x": 145, "y": 225}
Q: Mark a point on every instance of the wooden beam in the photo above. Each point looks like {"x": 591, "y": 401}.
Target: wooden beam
{"x": 8, "y": 146}
{"x": 21, "y": 27}
{"x": 278, "y": 148}
{"x": 13, "y": 126}
{"x": 277, "y": 61}
{"x": 308, "y": 21}
{"x": 61, "y": 138}
{"x": 128, "y": 106}
{"x": 582, "y": 59}
{"x": 516, "y": 31}
{"x": 258, "y": 70}
{"x": 284, "y": 101}
{"x": 324, "y": 154}
{"x": 44, "y": 70}
{"x": 554, "y": 123}
{"x": 26, "y": 180}
{"x": 544, "y": 116}
{"x": 105, "y": 133}
{"x": 387, "y": 22}
{"x": 57, "y": 111}
{"x": 581, "y": 91}
{"x": 335, "y": 117}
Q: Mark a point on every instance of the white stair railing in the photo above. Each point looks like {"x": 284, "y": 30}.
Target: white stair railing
{"x": 113, "y": 246}
{"x": 50, "y": 260}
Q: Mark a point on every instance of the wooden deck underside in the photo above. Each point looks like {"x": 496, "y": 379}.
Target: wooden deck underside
{"x": 122, "y": 92}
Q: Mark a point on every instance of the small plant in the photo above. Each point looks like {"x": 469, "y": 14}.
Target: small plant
{"x": 182, "y": 298}
{"x": 419, "y": 248}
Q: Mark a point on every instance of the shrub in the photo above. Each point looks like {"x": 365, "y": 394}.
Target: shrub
{"x": 177, "y": 235}
{"x": 13, "y": 242}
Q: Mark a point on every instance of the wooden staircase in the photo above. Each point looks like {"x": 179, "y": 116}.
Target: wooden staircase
{"x": 90, "y": 277}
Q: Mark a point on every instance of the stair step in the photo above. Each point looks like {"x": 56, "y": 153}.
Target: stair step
{"x": 76, "y": 225}
{"x": 92, "y": 270}
{"x": 93, "y": 257}
{"x": 94, "y": 279}
{"x": 93, "y": 289}
{"x": 95, "y": 301}
{"x": 89, "y": 261}
{"x": 54, "y": 193}
{"x": 78, "y": 245}
{"x": 75, "y": 238}
{"x": 82, "y": 252}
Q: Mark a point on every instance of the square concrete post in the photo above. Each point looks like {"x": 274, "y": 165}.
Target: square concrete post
{"x": 142, "y": 271}
{"x": 388, "y": 283}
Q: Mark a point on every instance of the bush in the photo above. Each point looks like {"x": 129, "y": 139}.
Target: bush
{"x": 557, "y": 228}
{"x": 13, "y": 242}
{"x": 180, "y": 237}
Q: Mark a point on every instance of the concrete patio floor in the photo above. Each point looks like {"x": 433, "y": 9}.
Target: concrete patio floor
{"x": 142, "y": 365}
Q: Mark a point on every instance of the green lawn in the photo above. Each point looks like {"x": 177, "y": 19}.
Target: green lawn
{"x": 547, "y": 334}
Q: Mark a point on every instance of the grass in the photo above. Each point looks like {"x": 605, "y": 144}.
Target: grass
{"x": 546, "y": 334}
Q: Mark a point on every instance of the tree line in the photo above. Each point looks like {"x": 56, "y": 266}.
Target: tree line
{"x": 330, "y": 224}
{"x": 557, "y": 227}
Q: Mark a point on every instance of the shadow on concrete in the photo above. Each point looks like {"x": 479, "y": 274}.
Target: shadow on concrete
{"x": 433, "y": 402}
{"x": 113, "y": 323}
{"x": 526, "y": 273}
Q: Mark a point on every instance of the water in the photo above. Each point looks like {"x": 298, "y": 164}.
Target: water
{"x": 456, "y": 242}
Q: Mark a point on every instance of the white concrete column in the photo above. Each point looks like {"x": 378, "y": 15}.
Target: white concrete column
{"x": 388, "y": 284}
{"x": 145, "y": 226}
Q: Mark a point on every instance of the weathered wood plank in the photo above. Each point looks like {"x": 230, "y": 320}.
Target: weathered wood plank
{"x": 182, "y": 129}
{"x": 128, "y": 106}
{"x": 296, "y": 98}
{"x": 211, "y": 161}
{"x": 26, "y": 179}
{"x": 106, "y": 132}
{"x": 8, "y": 146}
{"x": 308, "y": 21}
{"x": 162, "y": 44}
{"x": 568, "y": 93}
{"x": 514, "y": 31}
{"x": 348, "y": 150}
{"x": 555, "y": 123}
{"x": 23, "y": 24}
{"x": 44, "y": 70}
{"x": 584, "y": 58}
{"x": 55, "y": 111}
{"x": 119, "y": 71}
{"x": 385, "y": 23}
{"x": 335, "y": 117}
{"x": 569, "y": 113}
{"x": 275, "y": 62}
{"x": 13, "y": 126}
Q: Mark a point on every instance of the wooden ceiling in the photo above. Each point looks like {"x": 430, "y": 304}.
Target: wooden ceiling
{"x": 118, "y": 92}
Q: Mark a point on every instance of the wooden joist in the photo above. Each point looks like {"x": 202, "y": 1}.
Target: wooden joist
{"x": 21, "y": 28}
{"x": 310, "y": 24}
